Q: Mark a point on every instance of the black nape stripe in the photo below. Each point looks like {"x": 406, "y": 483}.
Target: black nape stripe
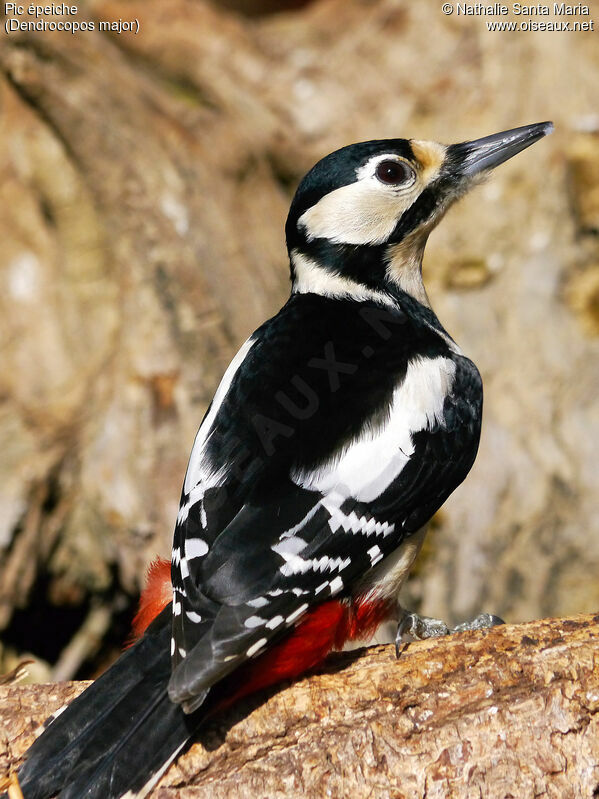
{"x": 363, "y": 263}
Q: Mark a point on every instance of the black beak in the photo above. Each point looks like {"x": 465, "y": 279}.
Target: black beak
{"x": 471, "y": 157}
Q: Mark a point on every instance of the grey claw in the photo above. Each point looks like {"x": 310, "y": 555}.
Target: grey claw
{"x": 399, "y": 647}
{"x": 413, "y": 627}
{"x": 482, "y": 622}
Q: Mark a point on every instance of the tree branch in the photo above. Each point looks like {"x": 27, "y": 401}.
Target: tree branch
{"x": 508, "y": 712}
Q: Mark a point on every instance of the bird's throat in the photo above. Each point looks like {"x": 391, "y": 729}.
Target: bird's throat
{"x": 404, "y": 265}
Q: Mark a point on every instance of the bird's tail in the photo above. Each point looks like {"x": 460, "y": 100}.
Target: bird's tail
{"x": 119, "y": 736}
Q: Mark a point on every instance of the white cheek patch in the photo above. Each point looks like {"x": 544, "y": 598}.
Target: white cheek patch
{"x": 364, "y": 212}
{"x": 367, "y": 210}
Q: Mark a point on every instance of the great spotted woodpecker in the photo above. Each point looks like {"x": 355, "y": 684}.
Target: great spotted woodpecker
{"x": 340, "y": 427}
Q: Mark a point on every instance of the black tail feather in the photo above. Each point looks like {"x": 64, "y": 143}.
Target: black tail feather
{"x": 118, "y": 734}
{"x": 137, "y": 759}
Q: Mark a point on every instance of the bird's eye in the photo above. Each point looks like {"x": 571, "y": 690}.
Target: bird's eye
{"x": 393, "y": 173}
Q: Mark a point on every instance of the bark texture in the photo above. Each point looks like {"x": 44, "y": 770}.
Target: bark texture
{"x": 144, "y": 185}
{"x": 513, "y": 712}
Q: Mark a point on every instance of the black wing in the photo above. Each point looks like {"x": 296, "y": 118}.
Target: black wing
{"x": 324, "y": 447}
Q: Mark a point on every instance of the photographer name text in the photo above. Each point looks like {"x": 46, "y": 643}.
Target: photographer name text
{"x": 521, "y": 9}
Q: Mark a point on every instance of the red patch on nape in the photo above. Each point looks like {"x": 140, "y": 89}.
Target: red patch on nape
{"x": 154, "y": 598}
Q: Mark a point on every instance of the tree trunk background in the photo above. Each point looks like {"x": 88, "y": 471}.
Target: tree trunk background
{"x": 513, "y": 712}
{"x": 145, "y": 181}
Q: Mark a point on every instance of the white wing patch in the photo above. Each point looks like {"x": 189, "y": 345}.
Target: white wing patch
{"x": 258, "y": 602}
{"x": 289, "y": 546}
{"x": 255, "y": 621}
{"x": 351, "y": 522}
{"x": 375, "y": 554}
{"x": 297, "y": 613}
{"x": 256, "y": 647}
{"x": 201, "y": 474}
{"x": 294, "y": 564}
{"x": 195, "y": 548}
{"x": 382, "y": 453}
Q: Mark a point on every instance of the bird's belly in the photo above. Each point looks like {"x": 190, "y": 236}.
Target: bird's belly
{"x": 383, "y": 582}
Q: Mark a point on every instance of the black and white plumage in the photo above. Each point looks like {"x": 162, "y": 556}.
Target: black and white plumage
{"x": 346, "y": 425}
{"x": 340, "y": 427}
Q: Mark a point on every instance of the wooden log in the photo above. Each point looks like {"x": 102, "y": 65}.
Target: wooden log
{"x": 510, "y": 712}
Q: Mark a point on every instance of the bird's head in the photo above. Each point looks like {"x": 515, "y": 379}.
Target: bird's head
{"x": 360, "y": 218}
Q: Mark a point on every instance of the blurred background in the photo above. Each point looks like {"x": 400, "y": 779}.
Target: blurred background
{"x": 144, "y": 185}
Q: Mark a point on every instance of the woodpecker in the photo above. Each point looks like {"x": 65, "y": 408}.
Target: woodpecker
{"x": 340, "y": 427}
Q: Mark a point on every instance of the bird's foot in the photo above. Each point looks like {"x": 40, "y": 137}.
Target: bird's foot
{"x": 413, "y": 627}
{"x": 482, "y": 622}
